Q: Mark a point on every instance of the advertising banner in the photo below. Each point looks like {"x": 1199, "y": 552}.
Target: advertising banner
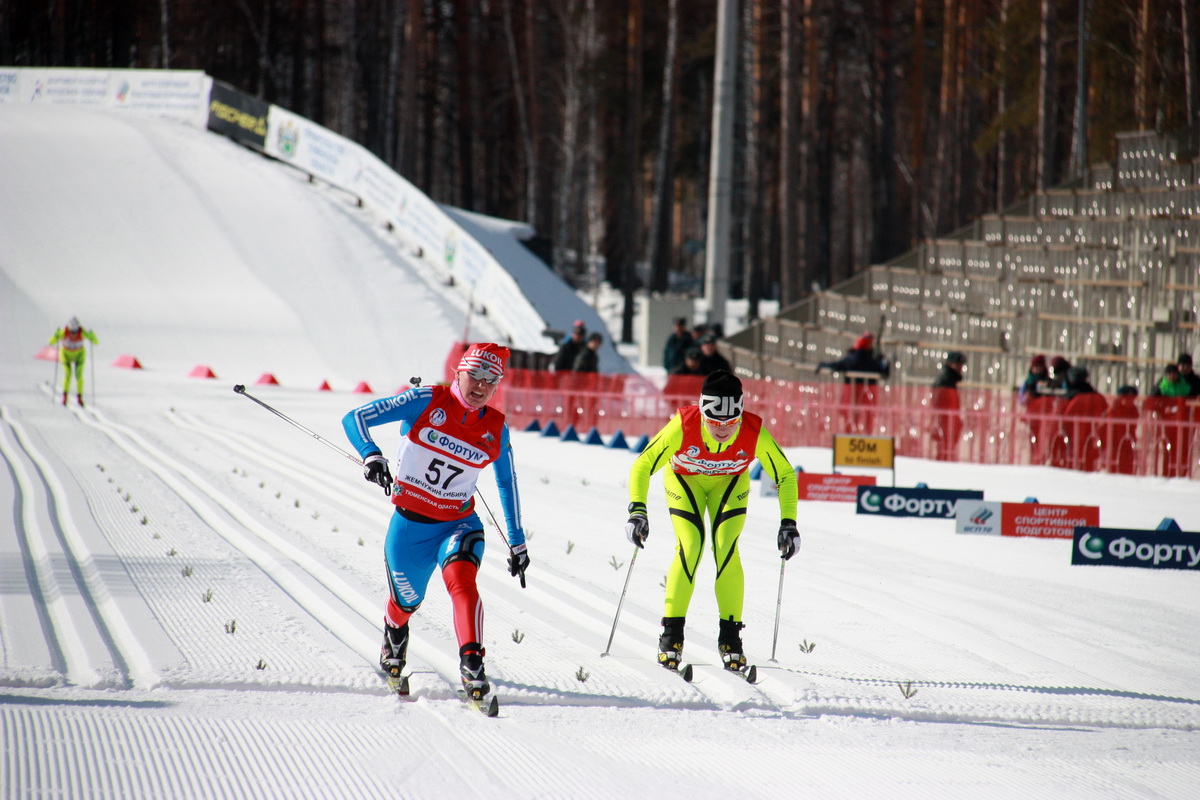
{"x": 1024, "y": 519}
{"x": 904, "y": 502}
{"x": 979, "y": 518}
{"x": 179, "y": 94}
{"x": 1121, "y": 547}
{"x": 237, "y": 115}
{"x": 837, "y": 488}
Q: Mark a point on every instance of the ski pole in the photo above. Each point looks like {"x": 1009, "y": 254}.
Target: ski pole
{"x": 92, "y": 359}
{"x": 240, "y": 389}
{"x": 54, "y": 385}
{"x": 497, "y": 526}
{"x": 620, "y": 603}
{"x": 778, "y": 606}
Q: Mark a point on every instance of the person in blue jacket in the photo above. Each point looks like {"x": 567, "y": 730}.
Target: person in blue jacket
{"x": 448, "y": 436}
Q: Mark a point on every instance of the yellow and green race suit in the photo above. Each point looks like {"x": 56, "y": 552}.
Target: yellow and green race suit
{"x": 708, "y": 478}
{"x": 72, "y": 355}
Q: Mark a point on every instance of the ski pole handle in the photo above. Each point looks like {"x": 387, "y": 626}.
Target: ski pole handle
{"x": 240, "y": 389}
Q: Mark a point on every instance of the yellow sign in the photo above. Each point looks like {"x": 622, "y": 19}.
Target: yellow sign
{"x": 864, "y": 451}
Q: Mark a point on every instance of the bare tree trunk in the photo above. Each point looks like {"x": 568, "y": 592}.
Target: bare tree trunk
{"x": 754, "y": 199}
{"x": 1004, "y": 140}
{"x": 1142, "y": 63}
{"x": 633, "y": 141}
{"x": 408, "y": 129}
{"x": 533, "y": 99}
{"x": 164, "y": 28}
{"x": 790, "y": 282}
{"x": 391, "y": 84}
{"x": 809, "y": 149}
{"x": 567, "y": 187}
{"x": 1191, "y": 72}
{"x": 339, "y": 39}
{"x": 886, "y": 238}
{"x": 1047, "y": 108}
{"x": 1079, "y": 141}
{"x": 595, "y": 199}
{"x": 917, "y": 108}
{"x": 530, "y": 195}
{"x": 658, "y": 248}
{"x": 465, "y": 31}
{"x": 947, "y": 113}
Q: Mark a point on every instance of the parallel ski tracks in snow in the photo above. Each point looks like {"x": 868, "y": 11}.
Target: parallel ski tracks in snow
{"x": 62, "y": 572}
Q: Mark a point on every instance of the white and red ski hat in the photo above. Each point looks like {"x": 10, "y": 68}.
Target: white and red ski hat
{"x": 487, "y": 356}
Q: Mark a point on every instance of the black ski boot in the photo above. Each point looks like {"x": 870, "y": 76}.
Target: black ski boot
{"x": 470, "y": 665}
{"x": 729, "y": 644}
{"x": 670, "y": 644}
{"x": 394, "y": 650}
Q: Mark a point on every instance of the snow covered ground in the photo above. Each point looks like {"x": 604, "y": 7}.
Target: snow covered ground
{"x": 191, "y": 589}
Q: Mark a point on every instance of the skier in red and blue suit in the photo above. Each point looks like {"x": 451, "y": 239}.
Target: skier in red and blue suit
{"x": 448, "y": 436}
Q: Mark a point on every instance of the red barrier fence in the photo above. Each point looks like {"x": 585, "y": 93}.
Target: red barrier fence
{"x": 1129, "y": 435}
{"x": 1096, "y": 433}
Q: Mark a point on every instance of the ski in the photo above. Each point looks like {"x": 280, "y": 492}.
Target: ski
{"x": 682, "y": 670}
{"x": 749, "y": 674}
{"x": 488, "y": 705}
{"x": 399, "y": 685}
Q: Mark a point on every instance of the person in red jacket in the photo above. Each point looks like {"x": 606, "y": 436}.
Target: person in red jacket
{"x": 947, "y": 419}
{"x": 1084, "y": 404}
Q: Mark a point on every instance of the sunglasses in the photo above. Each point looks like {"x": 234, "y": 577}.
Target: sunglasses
{"x": 483, "y": 375}
{"x": 723, "y": 423}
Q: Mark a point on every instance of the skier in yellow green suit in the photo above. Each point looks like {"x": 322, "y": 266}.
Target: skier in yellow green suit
{"x": 72, "y": 355}
{"x": 710, "y": 448}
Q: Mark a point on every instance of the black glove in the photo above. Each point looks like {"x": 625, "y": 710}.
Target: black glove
{"x": 518, "y": 561}
{"x": 789, "y": 539}
{"x": 375, "y": 469}
{"x": 637, "y": 529}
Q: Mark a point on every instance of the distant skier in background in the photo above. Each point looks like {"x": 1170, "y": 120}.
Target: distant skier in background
{"x": 709, "y": 449}
{"x": 72, "y": 356}
{"x": 448, "y": 435}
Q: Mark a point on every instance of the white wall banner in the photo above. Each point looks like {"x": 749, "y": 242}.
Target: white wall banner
{"x": 179, "y": 94}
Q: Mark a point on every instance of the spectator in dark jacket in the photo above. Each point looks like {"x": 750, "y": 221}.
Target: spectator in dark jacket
{"x": 952, "y": 371}
{"x": 1058, "y": 376}
{"x": 1077, "y": 383}
{"x": 564, "y": 359}
{"x": 691, "y": 363}
{"x": 677, "y": 346}
{"x": 861, "y": 358}
{"x": 588, "y": 359}
{"x": 861, "y": 370}
{"x": 710, "y": 359}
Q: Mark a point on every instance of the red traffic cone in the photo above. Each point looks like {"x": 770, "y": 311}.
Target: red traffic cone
{"x": 267, "y": 379}
{"x": 202, "y": 371}
{"x": 324, "y": 387}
